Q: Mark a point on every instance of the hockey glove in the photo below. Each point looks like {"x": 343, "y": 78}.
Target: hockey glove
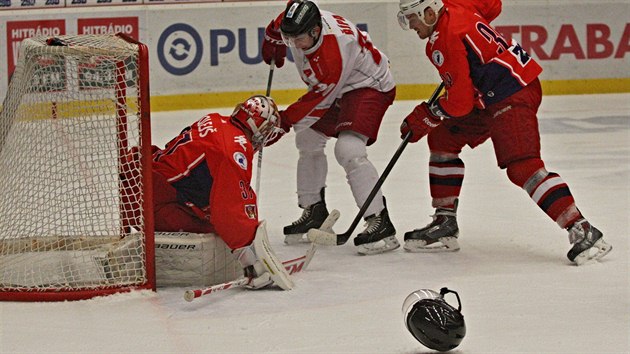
{"x": 285, "y": 127}
{"x": 419, "y": 122}
{"x": 273, "y": 47}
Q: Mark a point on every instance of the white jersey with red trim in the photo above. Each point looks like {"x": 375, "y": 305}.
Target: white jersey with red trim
{"x": 342, "y": 60}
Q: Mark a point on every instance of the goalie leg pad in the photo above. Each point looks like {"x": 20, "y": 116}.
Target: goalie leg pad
{"x": 269, "y": 260}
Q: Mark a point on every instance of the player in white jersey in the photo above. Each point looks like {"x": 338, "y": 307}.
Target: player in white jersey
{"x": 350, "y": 87}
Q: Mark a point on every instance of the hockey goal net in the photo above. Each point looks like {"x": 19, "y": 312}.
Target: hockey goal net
{"x": 74, "y": 108}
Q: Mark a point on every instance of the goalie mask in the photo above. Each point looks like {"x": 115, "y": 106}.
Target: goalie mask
{"x": 410, "y": 7}
{"x": 432, "y": 321}
{"x": 258, "y": 117}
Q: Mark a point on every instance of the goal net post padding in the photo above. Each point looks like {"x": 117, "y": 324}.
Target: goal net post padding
{"x": 74, "y": 108}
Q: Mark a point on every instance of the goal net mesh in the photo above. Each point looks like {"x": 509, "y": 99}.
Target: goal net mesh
{"x": 71, "y": 115}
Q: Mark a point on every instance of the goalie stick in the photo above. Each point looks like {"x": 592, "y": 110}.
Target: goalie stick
{"x": 272, "y": 65}
{"x": 292, "y": 266}
{"x": 323, "y": 237}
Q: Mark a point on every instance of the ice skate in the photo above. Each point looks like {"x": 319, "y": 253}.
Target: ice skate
{"x": 312, "y": 218}
{"x": 439, "y": 236}
{"x": 588, "y": 243}
{"x": 379, "y": 235}
{"x": 260, "y": 263}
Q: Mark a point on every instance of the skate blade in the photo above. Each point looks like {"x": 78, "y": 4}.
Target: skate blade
{"x": 385, "y": 245}
{"x": 294, "y": 239}
{"x": 445, "y": 244}
{"x": 599, "y": 250}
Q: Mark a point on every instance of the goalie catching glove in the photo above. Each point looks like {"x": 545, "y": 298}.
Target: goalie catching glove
{"x": 420, "y": 122}
{"x": 261, "y": 265}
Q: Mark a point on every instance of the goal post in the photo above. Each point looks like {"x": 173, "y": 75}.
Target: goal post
{"x": 75, "y": 108}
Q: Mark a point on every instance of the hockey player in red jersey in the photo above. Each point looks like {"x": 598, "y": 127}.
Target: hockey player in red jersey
{"x": 492, "y": 91}
{"x": 350, "y": 87}
{"x": 201, "y": 184}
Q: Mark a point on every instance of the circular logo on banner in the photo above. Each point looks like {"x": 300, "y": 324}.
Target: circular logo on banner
{"x": 179, "y": 49}
{"x": 438, "y": 58}
{"x": 241, "y": 160}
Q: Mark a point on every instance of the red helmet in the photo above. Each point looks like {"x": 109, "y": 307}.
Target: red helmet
{"x": 259, "y": 118}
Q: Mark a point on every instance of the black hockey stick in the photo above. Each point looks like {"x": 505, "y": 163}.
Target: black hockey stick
{"x": 321, "y": 237}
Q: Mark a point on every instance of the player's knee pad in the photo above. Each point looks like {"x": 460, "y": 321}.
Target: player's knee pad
{"x": 310, "y": 140}
{"x": 350, "y": 150}
{"x": 527, "y": 173}
{"x": 312, "y": 155}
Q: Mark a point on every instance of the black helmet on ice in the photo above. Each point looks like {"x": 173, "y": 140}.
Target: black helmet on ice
{"x": 432, "y": 321}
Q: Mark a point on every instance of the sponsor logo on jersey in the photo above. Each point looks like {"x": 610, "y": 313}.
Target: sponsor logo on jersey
{"x": 437, "y": 57}
{"x": 240, "y": 160}
{"x": 250, "y": 210}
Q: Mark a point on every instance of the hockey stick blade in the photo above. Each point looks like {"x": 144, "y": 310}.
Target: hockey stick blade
{"x": 325, "y": 238}
{"x": 325, "y": 234}
{"x": 190, "y": 295}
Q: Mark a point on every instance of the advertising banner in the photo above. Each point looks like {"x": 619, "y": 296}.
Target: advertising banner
{"x": 201, "y": 48}
{"x": 109, "y": 25}
{"x": 81, "y": 3}
{"x": 30, "y": 4}
{"x": 17, "y": 31}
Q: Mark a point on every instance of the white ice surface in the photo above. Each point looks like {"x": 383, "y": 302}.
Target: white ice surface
{"x": 519, "y": 293}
